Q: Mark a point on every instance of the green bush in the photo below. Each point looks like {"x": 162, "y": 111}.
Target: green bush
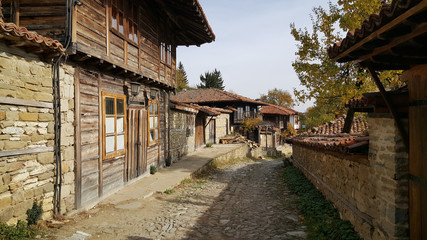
{"x": 153, "y": 169}
{"x": 208, "y": 145}
{"x": 34, "y": 213}
{"x": 321, "y": 218}
{"x": 18, "y": 232}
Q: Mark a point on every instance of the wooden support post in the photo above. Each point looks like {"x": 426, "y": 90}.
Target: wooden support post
{"x": 78, "y": 140}
{"x": 391, "y": 108}
{"x": 348, "y": 121}
{"x": 417, "y": 86}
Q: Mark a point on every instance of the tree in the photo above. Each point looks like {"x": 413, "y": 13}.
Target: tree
{"x": 278, "y": 97}
{"x": 316, "y": 116}
{"x": 181, "y": 78}
{"x": 332, "y": 84}
{"x": 212, "y": 80}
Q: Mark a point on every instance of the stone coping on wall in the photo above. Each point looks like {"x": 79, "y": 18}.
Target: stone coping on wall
{"x": 353, "y": 146}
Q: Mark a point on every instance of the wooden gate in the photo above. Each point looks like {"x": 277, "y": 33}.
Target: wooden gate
{"x": 136, "y": 160}
{"x": 200, "y": 133}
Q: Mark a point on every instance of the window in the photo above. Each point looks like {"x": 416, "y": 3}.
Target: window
{"x": 126, "y": 27}
{"x": 248, "y": 111}
{"x": 239, "y": 113}
{"x": 153, "y": 121}
{"x": 114, "y": 125}
{"x": 132, "y": 26}
{"x": 117, "y": 14}
{"x": 163, "y": 52}
{"x": 169, "y": 54}
{"x": 166, "y": 53}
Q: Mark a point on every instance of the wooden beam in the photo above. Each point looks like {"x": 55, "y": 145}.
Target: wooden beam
{"x": 78, "y": 140}
{"x": 391, "y": 108}
{"x": 399, "y": 19}
{"x": 348, "y": 121}
{"x": 9, "y": 153}
{"x": 24, "y": 102}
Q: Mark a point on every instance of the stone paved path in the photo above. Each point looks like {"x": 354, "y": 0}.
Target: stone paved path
{"x": 241, "y": 201}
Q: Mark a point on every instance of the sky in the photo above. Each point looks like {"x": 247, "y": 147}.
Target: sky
{"x": 254, "y": 48}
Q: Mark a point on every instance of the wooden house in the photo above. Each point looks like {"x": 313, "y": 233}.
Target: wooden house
{"x": 121, "y": 61}
{"x": 242, "y": 107}
{"x": 199, "y": 124}
{"x": 280, "y": 116}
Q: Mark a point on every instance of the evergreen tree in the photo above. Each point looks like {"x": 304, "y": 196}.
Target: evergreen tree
{"x": 181, "y": 78}
{"x": 212, "y": 80}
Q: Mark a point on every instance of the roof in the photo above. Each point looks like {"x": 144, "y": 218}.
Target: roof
{"x": 190, "y": 19}
{"x": 211, "y": 95}
{"x": 31, "y": 41}
{"x": 328, "y": 136}
{"x": 277, "y": 110}
{"x": 334, "y": 127}
{"x": 394, "y": 38}
{"x": 194, "y": 108}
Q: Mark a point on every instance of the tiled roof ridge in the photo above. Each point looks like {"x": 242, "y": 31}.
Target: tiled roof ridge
{"x": 236, "y": 96}
{"x": 335, "y": 127}
{"x": 24, "y": 34}
{"x": 285, "y": 109}
{"x": 377, "y": 20}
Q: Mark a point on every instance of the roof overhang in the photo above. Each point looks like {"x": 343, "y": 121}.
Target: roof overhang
{"x": 396, "y": 38}
{"x": 190, "y": 20}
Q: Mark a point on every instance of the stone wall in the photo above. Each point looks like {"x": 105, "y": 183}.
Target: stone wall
{"x": 182, "y": 134}
{"x": 371, "y": 194}
{"x": 26, "y": 137}
{"x": 222, "y": 123}
{"x": 67, "y": 138}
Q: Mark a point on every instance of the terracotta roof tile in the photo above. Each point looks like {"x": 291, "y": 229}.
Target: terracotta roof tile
{"x": 387, "y": 13}
{"x": 12, "y": 32}
{"x": 328, "y": 136}
{"x": 277, "y": 110}
{"x": 335, "y": 127}
{"x": 209, "y": 95}
{"x": 208, "y": 110}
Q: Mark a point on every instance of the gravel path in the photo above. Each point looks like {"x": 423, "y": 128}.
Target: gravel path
{"x": 242, "y": 201}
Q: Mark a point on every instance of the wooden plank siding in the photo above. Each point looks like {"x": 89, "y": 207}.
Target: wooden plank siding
{"x": 47, "y": 17}
{"x": 92, "y": 33}
{"x": 98, "y": 176}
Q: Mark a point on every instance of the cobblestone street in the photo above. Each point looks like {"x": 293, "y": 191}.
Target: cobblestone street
{"x": 241, "y": 201}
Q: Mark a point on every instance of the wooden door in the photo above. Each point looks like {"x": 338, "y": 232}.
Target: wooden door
{"x": 199, "y": 132}
{"x": 136, "y": 159}
{"x": 212, "y": 129}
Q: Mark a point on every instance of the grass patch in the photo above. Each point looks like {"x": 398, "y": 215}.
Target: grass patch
{"x": 168, "y": 191}
{"x": 19, "y": 231}
{"x": 319, "y": 215}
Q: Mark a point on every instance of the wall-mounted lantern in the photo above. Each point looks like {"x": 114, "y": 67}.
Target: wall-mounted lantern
{"x": 153, "y": 93}
{"x": 134, "y": 88}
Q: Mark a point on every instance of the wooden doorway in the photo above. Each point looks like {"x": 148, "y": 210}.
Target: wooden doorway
{"x": 136, "y": 159}
{"x": 212, "y": 128}
{"x": 199, "y": 132}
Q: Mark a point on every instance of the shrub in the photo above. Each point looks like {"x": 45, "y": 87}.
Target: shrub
{"x": 290, "y": 131}
{"x": 208, "y": 145}
{"x": 34, "y": 213}
{"x": 18, "y": 232}
{"x": 153, "y": 169}
{"x": 250, "y": 124}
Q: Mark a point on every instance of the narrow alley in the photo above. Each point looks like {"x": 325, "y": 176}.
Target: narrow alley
{"x": 244, "y": 200}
